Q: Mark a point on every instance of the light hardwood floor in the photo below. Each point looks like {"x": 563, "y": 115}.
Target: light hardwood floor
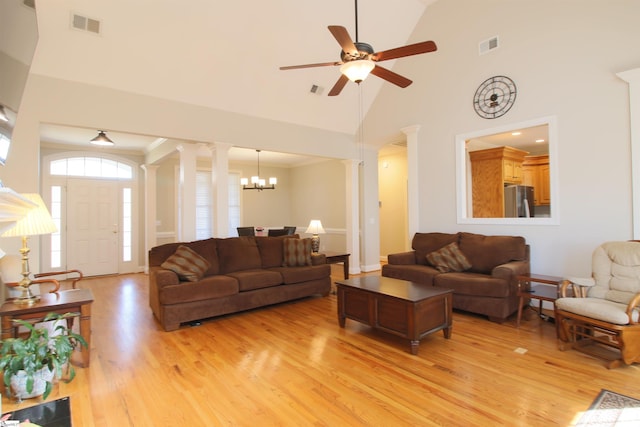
{"x": 291, "y": 364}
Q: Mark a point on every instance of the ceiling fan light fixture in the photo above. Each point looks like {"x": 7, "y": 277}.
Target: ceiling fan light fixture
{"x": 357, "y": 70}
{"x": 102, "y": 139}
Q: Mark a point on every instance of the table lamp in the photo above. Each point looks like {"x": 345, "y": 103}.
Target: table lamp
{"x": 315, "y": 228}
{"x": 37, "y": 221}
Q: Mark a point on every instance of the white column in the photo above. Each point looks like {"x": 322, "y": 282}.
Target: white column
{"x": 187, "y": 192}
{"x": 413, "y": 208}
{"x": 633, "y": 78}
{"x": 150, "y": 210}
{"x": 220, "y": 188}
{"x": 370, "y": 218}
{"x": 353, "y": 215}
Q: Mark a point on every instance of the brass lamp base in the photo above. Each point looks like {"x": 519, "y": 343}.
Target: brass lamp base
{"x": 26, "y": 297}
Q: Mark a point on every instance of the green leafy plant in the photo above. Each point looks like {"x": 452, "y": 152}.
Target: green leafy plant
{"x": 40, "y": 349}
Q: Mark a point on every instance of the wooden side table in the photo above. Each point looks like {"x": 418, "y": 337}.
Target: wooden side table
{"x": 339, "y": 257}
{"x": 541, "y": 292}
{"x": 75, "y": 300}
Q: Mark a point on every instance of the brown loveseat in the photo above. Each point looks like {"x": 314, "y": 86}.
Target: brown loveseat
{"x": 243, "y": 273}
{"x": 487, "y": 281}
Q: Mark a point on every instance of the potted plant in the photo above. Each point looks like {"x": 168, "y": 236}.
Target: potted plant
{"x": 32, "y": 361}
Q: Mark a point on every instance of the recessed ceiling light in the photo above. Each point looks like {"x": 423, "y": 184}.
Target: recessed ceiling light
{"x": 539, "y": 140}
{"x": 516, "y": 133}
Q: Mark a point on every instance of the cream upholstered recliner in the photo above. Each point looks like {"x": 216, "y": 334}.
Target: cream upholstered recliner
{"x": 599, "y": 315}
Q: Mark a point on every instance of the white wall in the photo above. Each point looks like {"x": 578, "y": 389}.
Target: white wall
{"x": 563, "y": 56}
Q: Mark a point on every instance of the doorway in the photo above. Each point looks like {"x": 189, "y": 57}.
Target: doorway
{"x": 93, "y": 201}
{"x": 393, "y": 200}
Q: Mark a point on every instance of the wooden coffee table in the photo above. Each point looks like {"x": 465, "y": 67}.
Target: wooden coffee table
{"x": 72, "y": 301}
{"x": 403, "y": 308}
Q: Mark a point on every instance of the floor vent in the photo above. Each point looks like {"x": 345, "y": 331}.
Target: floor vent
{"x": 488, "y": 45}
{"x": 83, "y": 23}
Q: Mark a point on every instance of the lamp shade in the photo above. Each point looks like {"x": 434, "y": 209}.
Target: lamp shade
{"x": 3, "y": 115}
{"x": 315, "y": 227}
{"x": 38, "y": 220}
{"x": 102, "y": 139}
{"x": 357, "y": 70}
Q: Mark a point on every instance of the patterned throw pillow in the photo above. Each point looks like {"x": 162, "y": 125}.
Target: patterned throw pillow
{"x": 297, "y": 252}
{"x": 449, "y": 258}
{"x": 187, "y": 264}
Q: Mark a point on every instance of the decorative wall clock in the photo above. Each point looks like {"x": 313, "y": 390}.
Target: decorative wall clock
{"x": 494, "y": 97}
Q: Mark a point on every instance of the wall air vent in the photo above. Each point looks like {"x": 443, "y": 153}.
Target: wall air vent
{"x": 488, "y": 45}
{"x": 83, "y": 23}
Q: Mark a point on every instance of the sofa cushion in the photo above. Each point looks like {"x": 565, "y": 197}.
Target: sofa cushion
{"x": 187, "y": 264}
{"x": 237, "y": 254}
{"x": 449, "y": 258}
{"x": 207, "y": 288}
{"x": 296, "y": 252}
{"x": 207, "y": 249}
{"x": 272, "y": 250}
{"x": 159, "y": 254}
{"x": 425, "y": 243}
{"x": 414, "y": 273}
{"x": 256, "y": 279}
{"x": 487, "y": 252}
{"x": 292, "y": 275}
{"x": 474, "y": 284}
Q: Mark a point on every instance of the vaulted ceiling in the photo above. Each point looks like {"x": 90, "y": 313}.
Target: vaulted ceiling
{"x": 222, "y": 54}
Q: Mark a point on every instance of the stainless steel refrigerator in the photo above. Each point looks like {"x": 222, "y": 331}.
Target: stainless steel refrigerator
{"x": 518, "y": 201}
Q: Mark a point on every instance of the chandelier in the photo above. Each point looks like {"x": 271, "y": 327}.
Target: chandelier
{"x": 258, "y": 183}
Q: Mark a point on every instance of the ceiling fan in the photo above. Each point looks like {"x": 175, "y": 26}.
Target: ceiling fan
{"x": 358, "y": 59}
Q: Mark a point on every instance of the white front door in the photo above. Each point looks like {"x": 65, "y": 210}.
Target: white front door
{"x": 92, "y": 226}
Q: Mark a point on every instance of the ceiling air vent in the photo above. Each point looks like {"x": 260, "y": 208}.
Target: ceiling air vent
{"x": 315, "y": 89}
{"x": 488, "y": 45}
{"x": 83, "y": 23}
{"x": 29, "y": 3}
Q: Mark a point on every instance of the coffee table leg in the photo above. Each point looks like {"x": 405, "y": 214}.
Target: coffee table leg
{"x": 447, "y": 332}
{"x": 341, "y": 320}
{"x": 414, "y": 346}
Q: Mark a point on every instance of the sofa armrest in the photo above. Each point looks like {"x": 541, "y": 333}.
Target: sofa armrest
{"x": 318, "y": 259}
{"x": 511, "y": 270}
{"x": 402, "y": 258}
{"x": 163, "y": 277}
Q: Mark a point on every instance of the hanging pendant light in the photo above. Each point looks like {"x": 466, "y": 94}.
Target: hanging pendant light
{"x": 258, "y": 183}
{"x": 3, "y": 115}
{"x": 102, "y": 139}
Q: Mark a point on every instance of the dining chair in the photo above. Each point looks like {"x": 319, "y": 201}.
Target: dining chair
{"x": 290, "y": 229}
{"x": 246, "y": 231}
{"x": 277, "y": 232}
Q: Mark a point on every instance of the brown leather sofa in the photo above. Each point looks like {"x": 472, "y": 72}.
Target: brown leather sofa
{"x": 244, "y": 273}
{"x": 487, "y": 285}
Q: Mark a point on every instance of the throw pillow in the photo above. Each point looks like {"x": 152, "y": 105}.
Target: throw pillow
{"x": 449, "y": 258}
{"x": 187, "y": 264}
{"x": 297, "y": 252}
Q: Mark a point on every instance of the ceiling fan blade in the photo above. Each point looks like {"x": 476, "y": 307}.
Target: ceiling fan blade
{"x": 344, "y": 39}
{"x": 390, "y": 76}
{"x": 322, "y": 64}
{"x": 337, "y": 88}
{"x": 400, "y": 52}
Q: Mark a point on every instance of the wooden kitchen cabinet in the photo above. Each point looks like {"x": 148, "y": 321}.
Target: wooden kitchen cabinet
{"x": 536, "y": 174}
{"x": 491, "y": 170}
